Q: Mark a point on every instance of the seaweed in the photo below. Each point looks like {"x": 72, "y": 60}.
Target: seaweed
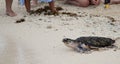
{"x": 111, "y": 18}
{"x": 46, "y": 10}
{"x": 21, "y": 20}
{"x": 69, "y": 13}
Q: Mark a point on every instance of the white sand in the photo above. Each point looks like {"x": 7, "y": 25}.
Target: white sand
{"x": 40, "y": 41}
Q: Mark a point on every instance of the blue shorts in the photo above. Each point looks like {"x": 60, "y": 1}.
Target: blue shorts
{"x": 45, "y": 0}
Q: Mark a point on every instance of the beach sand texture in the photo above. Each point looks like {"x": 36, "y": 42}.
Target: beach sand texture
{"x": 38, "y": 40}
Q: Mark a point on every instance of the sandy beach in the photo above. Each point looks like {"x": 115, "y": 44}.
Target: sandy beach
{"x": 38, "y": 40}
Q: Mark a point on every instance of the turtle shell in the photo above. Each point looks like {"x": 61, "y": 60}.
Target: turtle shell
{"x": 96, "y": 41}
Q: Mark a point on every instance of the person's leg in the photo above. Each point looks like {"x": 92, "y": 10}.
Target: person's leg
{"x": 115, "y": 2}
{"x": 27, "y": 5}
{"x": 81, "y": 3}
{"x": 9, "y": 10}
{"x": 52, "y": 6}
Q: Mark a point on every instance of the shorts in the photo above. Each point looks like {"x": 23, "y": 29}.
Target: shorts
{"x": 22, "y": 1}
{"x": 45, "y": 0}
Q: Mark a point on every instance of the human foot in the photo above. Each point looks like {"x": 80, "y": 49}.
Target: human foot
{"x": 11, "y": 13}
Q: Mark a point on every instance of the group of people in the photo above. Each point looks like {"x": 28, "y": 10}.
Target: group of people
{"x": 81, "y": 3}
{"x": 11, "y": 13}
{"x": 85, "y": 3}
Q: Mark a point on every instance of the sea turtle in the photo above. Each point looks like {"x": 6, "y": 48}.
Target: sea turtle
{"x": 83, "y": 44}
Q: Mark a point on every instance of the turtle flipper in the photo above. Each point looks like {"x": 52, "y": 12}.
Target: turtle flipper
{"x": 82, "y": 48}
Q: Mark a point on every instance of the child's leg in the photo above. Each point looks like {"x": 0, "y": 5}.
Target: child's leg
{"x": 52, "y": 6}
{"x": 9, "y": 10}
{"x": 82, "y": 3}
{"x": 115, "y": 2}
{"x": 27, "y": 5}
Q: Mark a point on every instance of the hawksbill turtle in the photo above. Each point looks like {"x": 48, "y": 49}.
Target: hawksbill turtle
{"x": 83, "y": 44}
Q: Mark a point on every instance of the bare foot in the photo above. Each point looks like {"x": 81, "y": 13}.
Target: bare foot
{"x": 11, "y": 13}
{"x": 54, "y": 10}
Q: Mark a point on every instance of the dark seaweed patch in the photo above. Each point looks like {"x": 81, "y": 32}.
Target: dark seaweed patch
{"x": 111, "y": 18}
{"x": 59, "y": 8}
{"x": 46, "y": 10}
{"x": 69, "y": 13}
{"x": 21, "y": 20}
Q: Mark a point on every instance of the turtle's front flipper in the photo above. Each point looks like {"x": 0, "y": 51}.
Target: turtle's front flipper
{"x": 82, "y": 48}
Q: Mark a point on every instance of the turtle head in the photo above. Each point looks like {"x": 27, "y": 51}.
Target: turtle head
{"x": 70, "y": 42}
{"x": 67, "y": 40}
